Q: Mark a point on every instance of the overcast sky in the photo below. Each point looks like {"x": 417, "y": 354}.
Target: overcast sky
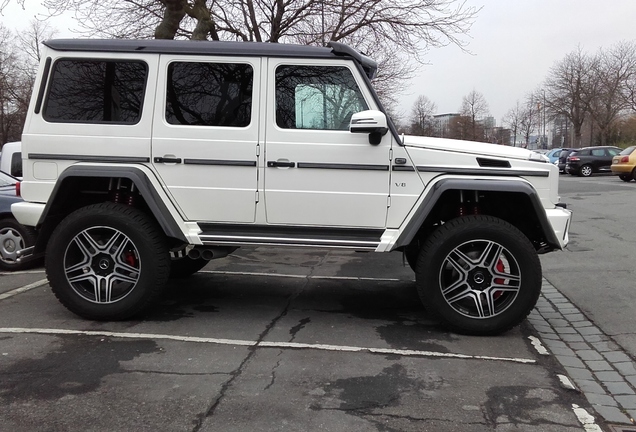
{"x": 514, "y": 43}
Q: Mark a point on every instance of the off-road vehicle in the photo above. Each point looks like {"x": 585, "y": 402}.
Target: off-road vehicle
{"x": 145, "y": 158}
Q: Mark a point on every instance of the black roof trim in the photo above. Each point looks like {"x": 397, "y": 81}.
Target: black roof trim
{"x": 221, "y": 48}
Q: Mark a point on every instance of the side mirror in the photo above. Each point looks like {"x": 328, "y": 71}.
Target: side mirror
{"x": 371, "y": 122}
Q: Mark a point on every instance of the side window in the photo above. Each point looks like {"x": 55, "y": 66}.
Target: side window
{"x": 613, "y": 152}
{"x": 209, "y": 94}
{"x": 96, "y": 91}
{"x": 16, "y": 164}
{"x": 316, "y": 97}
{"x": 598, "y": 152}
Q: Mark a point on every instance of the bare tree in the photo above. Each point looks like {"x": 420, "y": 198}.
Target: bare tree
{"x": 529, "y": 117}
{"x": 512, "y": 119}
{"x": 612, "y": 73}
{"x": 570, "y": 88}
{"x": 422, "y": 116}
{"x": 475, "y": 108}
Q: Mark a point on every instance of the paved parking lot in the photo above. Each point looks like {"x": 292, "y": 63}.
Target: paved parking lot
{"x": 269, "y": 340}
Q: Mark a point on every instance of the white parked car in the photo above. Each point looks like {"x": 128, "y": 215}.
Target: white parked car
{"x": 145, "y": 158}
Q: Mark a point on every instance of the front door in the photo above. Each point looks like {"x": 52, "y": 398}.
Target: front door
{"x": 317, "y": 172}
{"x": 205, "y": 136}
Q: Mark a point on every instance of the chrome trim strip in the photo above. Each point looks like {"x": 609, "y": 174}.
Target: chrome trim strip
{"x": 484, "y": 172}
{"x": 343, "y": 166}
{"x": 88, "y": 158}
{"x": 219, "y": 162}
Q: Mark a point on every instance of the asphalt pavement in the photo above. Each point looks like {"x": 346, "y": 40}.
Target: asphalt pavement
{"x": 304, "y": 340}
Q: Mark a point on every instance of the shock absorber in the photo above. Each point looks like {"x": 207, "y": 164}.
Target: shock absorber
{"x": 462, "y": 207}
{"x": 476, "y": 203}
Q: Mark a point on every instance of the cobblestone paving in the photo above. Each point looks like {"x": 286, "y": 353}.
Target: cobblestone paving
{"x": 600, "y": 369}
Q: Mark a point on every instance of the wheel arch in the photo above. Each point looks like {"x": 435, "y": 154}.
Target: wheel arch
{"x": 81, "y": 185}
{"x": 528, "y": 214}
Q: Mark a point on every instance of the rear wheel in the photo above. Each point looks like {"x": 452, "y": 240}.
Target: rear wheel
{"x": 14, "y": 237}
{"x": 479, "y": 275}
{"x": 585, "y": 171}
{"x": 625, "y": 177}
{"x": 107, "y": 262}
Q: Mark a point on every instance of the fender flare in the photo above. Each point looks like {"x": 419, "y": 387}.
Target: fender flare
{"x": 495, "y": 185}
{"x": 137, "y": 176}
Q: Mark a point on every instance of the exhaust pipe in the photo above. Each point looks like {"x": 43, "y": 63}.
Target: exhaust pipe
{"x": 210, "y": 253}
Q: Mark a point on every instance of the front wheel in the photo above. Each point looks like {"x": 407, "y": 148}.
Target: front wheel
{"x": 107, "y": 262}
{"x": 479, "y": 275}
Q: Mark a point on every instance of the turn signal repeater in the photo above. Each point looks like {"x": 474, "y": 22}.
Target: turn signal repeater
{"x": 17, "y": 189}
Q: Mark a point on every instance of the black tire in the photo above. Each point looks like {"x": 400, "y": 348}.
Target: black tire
{"x": 500, "y": 272}
{"x": 184, "y": 266}
{"x": 585, "y": 171}
{"x": 118, "y": 248}
{"x": 14, "y": 237}
{"x": 625, "y": 177}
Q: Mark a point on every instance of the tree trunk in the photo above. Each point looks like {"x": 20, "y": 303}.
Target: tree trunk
{"x": 172, "y": 16}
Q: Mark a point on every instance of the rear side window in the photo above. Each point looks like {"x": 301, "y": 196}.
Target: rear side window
{"x": 16, "y": 164}
{"x": 96, "y": 91}
{"x": 598, "y": 152}
{"x": 209, "y": 94}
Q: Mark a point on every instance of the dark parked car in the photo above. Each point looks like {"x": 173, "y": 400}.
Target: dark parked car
{"x": 586, "y": 161}
{"x": 13, "y": 236}
{"x": 563, "y": 158}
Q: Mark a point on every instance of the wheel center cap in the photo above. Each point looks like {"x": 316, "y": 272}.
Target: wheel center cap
{"x": 104, "y": 264}
{"x": 479, "y": 278}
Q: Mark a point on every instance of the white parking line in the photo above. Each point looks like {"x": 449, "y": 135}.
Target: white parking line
{"x": 23, "y": 289}
{"x": 263, "y": 344}
{"x": 586, "y": 419}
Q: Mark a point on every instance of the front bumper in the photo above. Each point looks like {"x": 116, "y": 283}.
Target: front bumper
{"x": 560, "y": 219}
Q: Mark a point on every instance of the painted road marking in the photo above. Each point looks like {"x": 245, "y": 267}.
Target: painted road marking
{"x": 23, "y": 289}
{"x": 263, "y": 344}
{"x": 586, "y": 419}
{"x": 536, "y": 343}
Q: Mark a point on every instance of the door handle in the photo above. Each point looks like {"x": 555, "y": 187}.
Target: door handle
{"x": 167, "y": 160}
{"x": 272, "y": 164}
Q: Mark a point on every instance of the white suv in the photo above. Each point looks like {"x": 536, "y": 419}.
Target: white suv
{"x": 144, "y": 159}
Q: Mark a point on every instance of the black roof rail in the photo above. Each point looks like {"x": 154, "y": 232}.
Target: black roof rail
{"x": 368, "y": 64}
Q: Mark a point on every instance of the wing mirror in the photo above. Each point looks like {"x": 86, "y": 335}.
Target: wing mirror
{"x": 371, "y": 122}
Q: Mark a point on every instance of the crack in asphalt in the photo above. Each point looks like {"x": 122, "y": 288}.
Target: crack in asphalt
{"x": 252, "y": 351}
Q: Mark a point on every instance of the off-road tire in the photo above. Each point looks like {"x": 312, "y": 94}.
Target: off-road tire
{"x": 458, "y": 308}
{"x": 138, "y": 262}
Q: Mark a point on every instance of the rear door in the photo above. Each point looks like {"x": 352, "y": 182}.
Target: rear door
{"x": 205, "y": 135}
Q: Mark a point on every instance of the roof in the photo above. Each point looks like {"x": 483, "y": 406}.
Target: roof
{"x": 218, "y": 48}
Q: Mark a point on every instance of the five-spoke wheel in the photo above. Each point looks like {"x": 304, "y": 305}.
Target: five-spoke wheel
{"x": 479, "y": 275}
{"x": 107, "y": 261}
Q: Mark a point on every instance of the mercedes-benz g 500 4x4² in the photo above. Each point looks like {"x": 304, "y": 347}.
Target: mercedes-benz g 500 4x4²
{"x": 146, "y": 158}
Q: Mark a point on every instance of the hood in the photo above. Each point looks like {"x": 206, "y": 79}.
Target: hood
{"x": 469, "y": 147}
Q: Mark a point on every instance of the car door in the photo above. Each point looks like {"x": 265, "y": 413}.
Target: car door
{"x": 317, "y": 172}
{"x": 609, "y": 156}
{"x": 205, "y": 135}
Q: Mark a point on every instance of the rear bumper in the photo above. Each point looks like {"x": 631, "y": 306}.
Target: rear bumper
{"x": 622, "y": 169}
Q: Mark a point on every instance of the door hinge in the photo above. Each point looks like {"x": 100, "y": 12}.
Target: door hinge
{"x": 256, "y": 196}
{"x": 390, "y": 154}
{"x": 388, "y": 201}
{"x": 258, "y": 150}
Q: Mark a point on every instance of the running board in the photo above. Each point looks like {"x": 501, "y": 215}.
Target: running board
{"x": 259, "y": 235}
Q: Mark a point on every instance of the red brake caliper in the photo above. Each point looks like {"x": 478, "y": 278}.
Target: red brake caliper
{"x": 500, "y": 268}
{"x": 131, "y": 259}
